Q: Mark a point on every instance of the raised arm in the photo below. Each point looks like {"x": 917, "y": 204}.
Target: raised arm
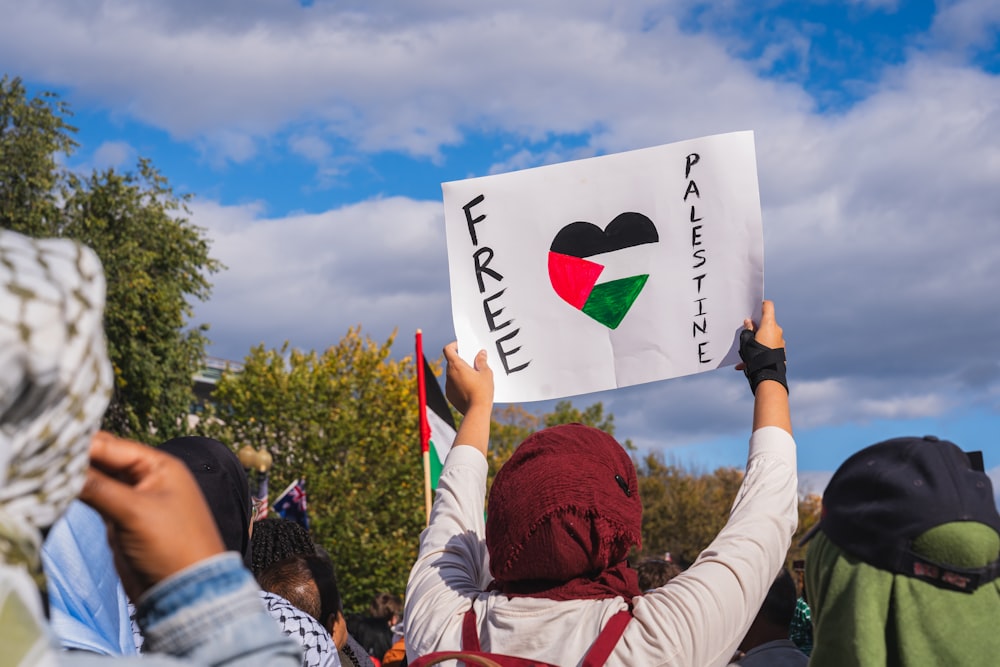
{"x": 764, "y": 363}
{"x": 451, "y": 569}
{"x": 470, "y": 390}
{"x": 699, "y": 617}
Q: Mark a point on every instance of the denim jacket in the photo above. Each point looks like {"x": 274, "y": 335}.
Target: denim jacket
{"x": 208, "y": 614}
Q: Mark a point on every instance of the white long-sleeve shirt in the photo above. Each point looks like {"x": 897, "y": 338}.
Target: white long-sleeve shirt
{"x": 698, "y": 618}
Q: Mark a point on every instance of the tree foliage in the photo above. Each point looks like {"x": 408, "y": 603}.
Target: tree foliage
{"x": 809, "y": 512}
{"x": 683, "y": 511}
{"x": 346, "y": 420}
{"x": 509, "y": 428}
{"x": 512, "y": 424}
{"x": 34, "y": 132}
{"x": 155, "y": 260}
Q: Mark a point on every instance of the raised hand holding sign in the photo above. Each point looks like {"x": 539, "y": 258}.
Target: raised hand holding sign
{"x": 610, "y": 271}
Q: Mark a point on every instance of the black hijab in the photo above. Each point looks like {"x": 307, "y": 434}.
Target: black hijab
{"x": 224, "y": 484}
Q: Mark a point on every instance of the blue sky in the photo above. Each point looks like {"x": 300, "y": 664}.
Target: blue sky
{"x": 315, "y": 136}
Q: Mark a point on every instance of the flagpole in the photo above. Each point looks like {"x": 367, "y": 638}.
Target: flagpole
{"x": 425, "y": 428}
{"x": 283, "y": 493}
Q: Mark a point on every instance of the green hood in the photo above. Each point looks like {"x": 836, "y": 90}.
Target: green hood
{"x": 867, "y": 617}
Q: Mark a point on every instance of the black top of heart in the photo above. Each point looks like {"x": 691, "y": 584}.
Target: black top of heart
{"x": 583, "y": 239}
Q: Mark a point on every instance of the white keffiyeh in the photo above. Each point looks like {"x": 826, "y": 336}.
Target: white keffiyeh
{"x": 55, "y": 383}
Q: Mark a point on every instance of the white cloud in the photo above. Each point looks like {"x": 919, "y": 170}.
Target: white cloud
{"x": 880, "y": 221}
{"x": 525, "y": 158}
{"x": 813, "y": 482}
{"x": 224, "y": 146}
{"x": 967, "y": 24}
{"x": 905, "y": 407}
{"x": 859, "y": 399}
{"x": 307, "y": 278}
{"x": 310, "y": 146}
{"x": 113, "y": 154}
{"x": 389, "y": 84}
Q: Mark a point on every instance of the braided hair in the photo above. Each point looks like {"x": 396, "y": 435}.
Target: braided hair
{"x": 277, "y": 539}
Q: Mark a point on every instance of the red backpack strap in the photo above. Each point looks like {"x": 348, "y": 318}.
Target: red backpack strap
{"x": 470, "y": 631}
{"x": 595, "y": 657}
{"x": 607, "y": 640}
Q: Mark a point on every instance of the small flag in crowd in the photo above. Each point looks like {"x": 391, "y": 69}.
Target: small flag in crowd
{"x": 260, "y": 508}
{"x": 441, "y": 433}
{"x": 260, "y": 499}
{"x": 291, "y": 504}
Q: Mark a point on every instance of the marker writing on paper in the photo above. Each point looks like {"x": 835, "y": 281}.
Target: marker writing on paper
{"x": 699, "y": 322}
{"x": 492, "y": 310}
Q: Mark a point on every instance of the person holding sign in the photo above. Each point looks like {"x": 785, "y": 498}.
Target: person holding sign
{"x": 546, "y": 573}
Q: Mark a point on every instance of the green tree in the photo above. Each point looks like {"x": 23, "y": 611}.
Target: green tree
{"x": 508, "y": 429}
{"x": 810, "y": 508}
{"x": 34, "y": 133}
{"x": 155, "y": 260}
{"x": 682, "y": 511}
{"x": 345, "y": 420}
{"x": 512, "y": 424}
{"x": 593, "y": 415}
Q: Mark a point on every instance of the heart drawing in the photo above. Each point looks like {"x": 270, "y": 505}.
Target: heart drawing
{"x": 574, "y": 278}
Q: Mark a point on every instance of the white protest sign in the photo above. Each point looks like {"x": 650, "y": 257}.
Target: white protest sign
{"x": 609, "y": 271}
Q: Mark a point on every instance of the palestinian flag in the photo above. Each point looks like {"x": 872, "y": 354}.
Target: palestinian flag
{"x": 437, "y": 427}
{"x": 440, "y": 422}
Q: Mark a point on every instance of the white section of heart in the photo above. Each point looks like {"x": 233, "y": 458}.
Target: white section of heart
{"x": 627, "y": 262}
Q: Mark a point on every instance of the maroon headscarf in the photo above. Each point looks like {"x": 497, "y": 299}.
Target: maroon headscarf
{"x": 563, "y": 514}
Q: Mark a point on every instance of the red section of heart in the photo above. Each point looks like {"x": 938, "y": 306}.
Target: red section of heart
{"x": 573, "y": 277}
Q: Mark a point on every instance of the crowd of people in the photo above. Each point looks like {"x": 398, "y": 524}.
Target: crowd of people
{"x": 113, "y": 550}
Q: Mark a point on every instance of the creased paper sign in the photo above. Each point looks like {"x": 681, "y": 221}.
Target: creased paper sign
{"x": 610, "y": 271}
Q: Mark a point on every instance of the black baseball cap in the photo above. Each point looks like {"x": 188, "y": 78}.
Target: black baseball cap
{"x": 887, "y": 495}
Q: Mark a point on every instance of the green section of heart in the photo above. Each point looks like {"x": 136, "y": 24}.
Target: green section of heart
{"x": 609, "y": 302}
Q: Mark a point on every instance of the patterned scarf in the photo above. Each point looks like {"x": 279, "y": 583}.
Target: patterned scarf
{"x": 318, "y": 649}
{"x": 55, "y": 383}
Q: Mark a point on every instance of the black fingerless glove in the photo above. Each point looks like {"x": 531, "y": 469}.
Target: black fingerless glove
{"x": 761, "y": 362}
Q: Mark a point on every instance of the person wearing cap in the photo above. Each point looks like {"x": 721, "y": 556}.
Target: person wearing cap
{"x": 902, "y": 568}
{"x": 546, "y": 572}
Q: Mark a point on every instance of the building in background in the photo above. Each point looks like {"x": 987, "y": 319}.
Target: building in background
{"x": 207, "y": 378}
